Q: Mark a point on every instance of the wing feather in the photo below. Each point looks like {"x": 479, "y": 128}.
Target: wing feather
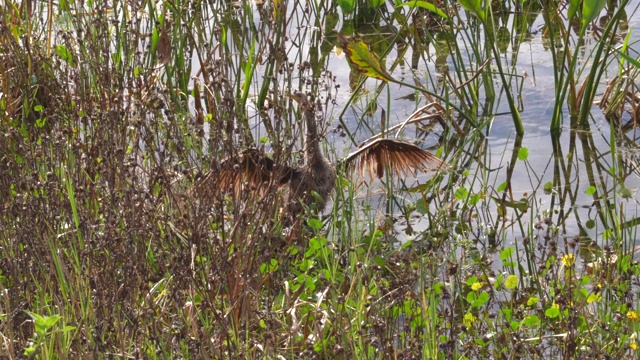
{"x": 401, "y": 158}
{"x": 251, "y": 171}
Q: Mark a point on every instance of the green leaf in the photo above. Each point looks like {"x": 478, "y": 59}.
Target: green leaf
{"x": 590, "y": 224}
{"x": 380, "y": 261}
{"x": 531, "y": 321}
{"x": 552, "y": 312}
{"x": 471, "y": 297}
{"x": 64, "y": 54}
{"x": 590, "y": 11}
{"x": 461, "y": 194}
{"x": 482, "y": 299}
{"x": 266, "y": 268}
{"x": 362, "y": 59}
{"x": 30, "y": 352}
{"x": 548, "y": 186}
{"x": 594, "y": 298}
{"x": 523, "y": 153}
{"x": 437, "y": 288}
{"x": 67, "y": 328}
{"x": 507, "y": 313}
{"x": 590, "y": 190}
{"x": 346, "y": 6}
{"x": 502, "y": 187}
{"x": 476, "y": 7}
{"x": 506, "y": 253}
{"x": 421, "y": 206}
{"x": 511, "y": 282}
{"x": 315, "y": 224}
{"x": 633, "y": 61}
{"x": 625, "y": 193}
{"x": 573, "y": 8}
{"x": 425, "y": 5}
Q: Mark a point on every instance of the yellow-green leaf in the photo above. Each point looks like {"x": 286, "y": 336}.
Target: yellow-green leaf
{"x": 511, "y": 282}
{"x": 362, "y": 59}
{"x": 594, "y": 298}
{"x": 532, "y": 301}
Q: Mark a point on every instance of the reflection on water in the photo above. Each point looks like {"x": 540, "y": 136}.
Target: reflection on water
{"x": 567, "y": 180}
{"x": 560, "y": 174}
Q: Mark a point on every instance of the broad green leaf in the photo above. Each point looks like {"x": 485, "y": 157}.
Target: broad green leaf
{"x": 511, "y": 282}
{"x": 507, "y": 313}
{"x": 552, "y": 312}
{"x": 502, "y": 187}
{"x": 506, "y": 253}
{"x": 461, "y": 194}
{"x": 437, "y": 288}
{"x": 532, "y": 301}
{"x": 590, "y": 11}
{"x": 483, "y": 298}
{"x": 422, "y": 207}
{"x": 594, "y": 298}
{"x": 64, "y": 54}
{"x": 584, "y": 280}
{"x": 523, "y": 154}
{"x": 314, "y": 224}
{"x": 573, "y": 8}
{"x": 425, "y": 5}
{"x": 531, "y": 321}
{"x": 346, "y": 5}
{"x": 625, "y": 193}
{"x": 476, "y": 7}
{"x": 362, "y": 59}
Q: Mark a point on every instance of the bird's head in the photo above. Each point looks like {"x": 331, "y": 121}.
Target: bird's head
{"x": 302, "y": 99}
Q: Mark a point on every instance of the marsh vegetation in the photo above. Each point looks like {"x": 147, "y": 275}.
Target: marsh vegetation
{"x": 523, "y": 246}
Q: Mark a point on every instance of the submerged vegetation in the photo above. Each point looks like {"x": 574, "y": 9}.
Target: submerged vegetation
{"x": 110, "y": 114}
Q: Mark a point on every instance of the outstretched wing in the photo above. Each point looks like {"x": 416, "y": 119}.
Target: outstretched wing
{"x": 398, "y": 156}
{"x": 251, "y": 171}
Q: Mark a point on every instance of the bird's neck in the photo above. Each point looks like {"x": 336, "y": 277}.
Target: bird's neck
{"x": 313, "y": 152}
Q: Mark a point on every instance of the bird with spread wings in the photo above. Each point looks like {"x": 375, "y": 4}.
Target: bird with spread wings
{"x": 313, "y": 184}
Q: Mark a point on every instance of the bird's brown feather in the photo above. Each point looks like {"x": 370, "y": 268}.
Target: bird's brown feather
{"x": 400, "y": 157}
{"x": 251, "y": 170}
